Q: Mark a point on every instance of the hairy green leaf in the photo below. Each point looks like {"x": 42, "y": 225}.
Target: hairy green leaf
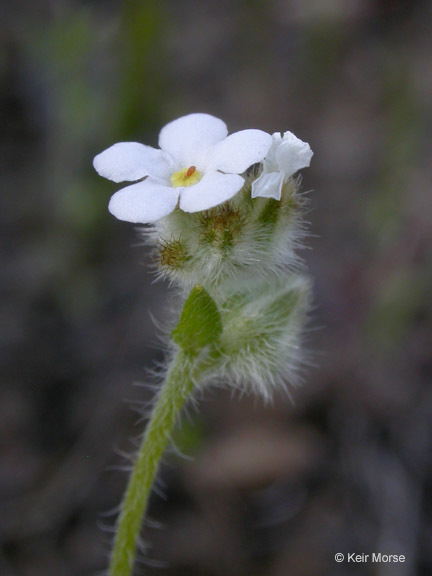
{"x": 200, "y": 322}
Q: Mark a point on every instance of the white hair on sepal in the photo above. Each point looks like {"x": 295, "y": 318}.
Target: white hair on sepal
{"x": 224, "y": 246}
{"x": 263, "y": 336}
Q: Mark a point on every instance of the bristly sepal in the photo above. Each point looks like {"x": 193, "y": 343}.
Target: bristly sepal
{"x": 233, "y": 243}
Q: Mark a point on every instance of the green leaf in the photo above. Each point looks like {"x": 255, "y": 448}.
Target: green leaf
{"x": 200, "y": 322}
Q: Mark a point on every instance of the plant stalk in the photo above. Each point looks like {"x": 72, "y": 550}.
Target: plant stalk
{"x": 178, "y": 386}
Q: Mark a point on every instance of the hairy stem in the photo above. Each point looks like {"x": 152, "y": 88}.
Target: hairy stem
{"x": 179, "y": 384}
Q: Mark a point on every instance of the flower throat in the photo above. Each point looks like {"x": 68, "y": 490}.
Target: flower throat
{"x": 186, "y": 177}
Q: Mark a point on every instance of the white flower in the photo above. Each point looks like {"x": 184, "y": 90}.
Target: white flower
{"x": 287, "y": 155}
{"x": 198, "y": 166}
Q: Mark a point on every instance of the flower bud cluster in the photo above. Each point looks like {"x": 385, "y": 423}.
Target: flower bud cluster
{"x": 231, "y": 244}
{"x": 244, "y": 253}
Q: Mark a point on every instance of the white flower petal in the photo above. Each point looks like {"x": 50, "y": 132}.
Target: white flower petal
{"x": 239, "y": 151}
{"x": 293, "y": 154}
{"x": 143, "y": 202}
{"x": 270, "y": 163}
{"x": 213, "y": 189}
{"x": 131, "y": 161}
{"x": 189, "y": 137}
{"x": 268, "y": 185}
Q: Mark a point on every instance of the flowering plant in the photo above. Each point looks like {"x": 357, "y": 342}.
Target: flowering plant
{"x": 226, "y": 222}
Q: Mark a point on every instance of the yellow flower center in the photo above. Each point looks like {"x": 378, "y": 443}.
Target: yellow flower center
{"x": 186, "y": 177}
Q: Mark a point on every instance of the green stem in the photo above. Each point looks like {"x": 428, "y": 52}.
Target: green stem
{"x": 179, "y": 383}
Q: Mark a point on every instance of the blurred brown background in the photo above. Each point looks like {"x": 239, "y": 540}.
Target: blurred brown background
{"x": 275, "y": 490}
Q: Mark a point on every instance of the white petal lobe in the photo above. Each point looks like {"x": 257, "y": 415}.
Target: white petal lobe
{"x": 189, "y": 137}
{"x": 128, "y": 161}
{"x": 212, "y": 190}
{"x": 239, "y": 151}
{"x": 268, "y": 185}
{"x": 293, "y": 154}
{"x": 143, "y": 202}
